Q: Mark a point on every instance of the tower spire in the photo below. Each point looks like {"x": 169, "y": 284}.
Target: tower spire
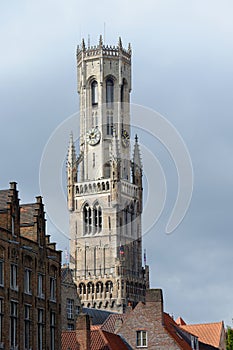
{"x": 137, "y": 154}
{"x": 71, "y": 170}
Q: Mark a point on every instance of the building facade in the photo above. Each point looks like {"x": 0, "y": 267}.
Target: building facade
{"x": 29, "y": 277}
{"x": 70, "y": 302}
{"x": 104, "y": 184}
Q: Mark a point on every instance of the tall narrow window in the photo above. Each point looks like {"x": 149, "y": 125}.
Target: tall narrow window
{"x": 1, "y": 320}
{"x": 94, "y": 92}
{"x": 52, "y": 289}
{"x": 52, "y": 330}
{"x": 109, "y": 91}
{"x": 87, "y": 219}
{"x": 70, "y": 308}
{"x": 27, "y": 327}
{"x": 40, "y": 329}
{"x": 109, "y": 124}
{"x": 27, "y": 281}
{"x": 13, "y": 277}
{"x": 97, "y": 212}
{"x": 13, "y": 225}
{"x": 13, "y": 324}
{"x": 40, "y": 290}
{"x": 1, "y": 273}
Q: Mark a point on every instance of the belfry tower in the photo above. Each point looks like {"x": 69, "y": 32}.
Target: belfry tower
{"x": 105, "y": 184}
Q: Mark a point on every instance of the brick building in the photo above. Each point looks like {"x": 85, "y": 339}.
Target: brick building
{"x": 30, "y": 277}
{"x": 70, "y": 302}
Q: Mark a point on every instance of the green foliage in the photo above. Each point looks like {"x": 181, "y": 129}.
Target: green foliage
{"x": 229, "y": 338}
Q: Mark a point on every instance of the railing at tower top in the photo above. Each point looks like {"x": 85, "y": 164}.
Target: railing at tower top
{"x": 91, "y": 187}
{"x": 103, "y": 185}
{"x": 105, "y": 51}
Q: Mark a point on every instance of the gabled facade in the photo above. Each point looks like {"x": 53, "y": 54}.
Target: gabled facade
{"x": 29, "y": 277}
{"x": 70, "y": 302}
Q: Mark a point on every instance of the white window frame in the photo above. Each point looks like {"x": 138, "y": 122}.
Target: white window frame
{"x": 70, "y": 309}
{"x": 40, "y": 289}
{"x": 14, "y": 277}
{"x": 27, "y": 281}
{"x": 141, "y": 342}
{"x": 13, "y": 324}
{"x": 27, "y": 327}
{"x": 52, "y": 288}
{"x": 40, "y": 329}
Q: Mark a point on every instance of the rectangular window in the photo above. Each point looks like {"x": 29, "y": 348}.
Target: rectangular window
{"x": 141, "y": 339}
{"x": 27, "y": 281}
{"x": 40, "y": 329}
{"x": 27, "y": 327}
{"x": 14, "y": 276}
{"x": 52, "y": 329}
{"x": 70, "y": 327}
{"x": 13, "y": 324}
{"x": 70, "y": 308}
{"x": 52, "y": 289}
{"x": 1, "y": 273}
{"x": 1, "y": 320}
{"x": 40, "y": 289}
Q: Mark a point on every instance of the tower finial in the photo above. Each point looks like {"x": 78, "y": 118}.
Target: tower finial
{"x": 100, "y": 41}
{"x": 129, "y": 49}
{"x": 120, "y": 43}
{"x": 83, "y": 44}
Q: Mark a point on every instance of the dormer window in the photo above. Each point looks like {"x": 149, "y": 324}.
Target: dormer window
{"x": 109, "y": 91}
{"x": 94, "y": 93}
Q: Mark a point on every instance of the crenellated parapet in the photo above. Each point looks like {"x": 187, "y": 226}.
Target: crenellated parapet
{"x": 102, "y": 50}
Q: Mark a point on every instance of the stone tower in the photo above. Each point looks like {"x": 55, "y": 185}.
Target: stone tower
{"x": 105, "y": 185}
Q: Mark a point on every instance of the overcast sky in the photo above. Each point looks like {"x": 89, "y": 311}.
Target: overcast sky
{"x": 182, "y": 68}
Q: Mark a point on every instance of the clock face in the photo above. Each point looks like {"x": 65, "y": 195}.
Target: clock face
{"x": 93, "y": 136}
{"x": 125, "y": 138}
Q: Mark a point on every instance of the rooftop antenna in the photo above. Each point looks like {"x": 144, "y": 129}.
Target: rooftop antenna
{"x": 88, "y": 43}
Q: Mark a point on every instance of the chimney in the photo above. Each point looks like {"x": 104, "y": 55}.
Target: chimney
{"x": 154, "y": 300}
{"x": 83, "y": 332}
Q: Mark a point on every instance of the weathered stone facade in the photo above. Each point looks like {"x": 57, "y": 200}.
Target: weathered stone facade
{"x": 29, "y": 277}
{"x": 105, "y": 185}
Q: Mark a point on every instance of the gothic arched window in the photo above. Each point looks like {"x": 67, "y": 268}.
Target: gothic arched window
{"x": 94, "y": 93}
{"x": 109, "y": 91}
{"x": 97, "y": 213}
{"x": 87, "y": 219}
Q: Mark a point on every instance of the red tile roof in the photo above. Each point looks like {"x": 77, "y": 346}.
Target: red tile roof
{"x": 99, "y": 340}
{"x": 208, "y": 333}
{"x": 68, "y": 340}
{"x": 171, "y": 326}
{"x": 113, "y": 322}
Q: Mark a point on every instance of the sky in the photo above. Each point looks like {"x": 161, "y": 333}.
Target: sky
{"x": 182, "y": 67}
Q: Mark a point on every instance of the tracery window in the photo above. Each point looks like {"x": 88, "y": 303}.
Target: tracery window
{"x": 92, "y": 219}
